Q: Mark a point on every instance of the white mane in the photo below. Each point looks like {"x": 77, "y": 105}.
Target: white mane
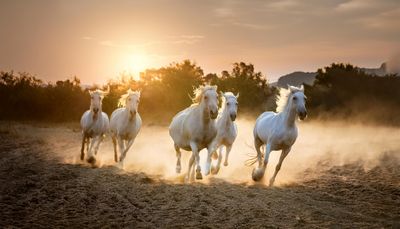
{"x": 100, "y": 92}
{"x": 284, "y": 96}
{"x": 198, "y": 92}
{"x": 122, "y": 99}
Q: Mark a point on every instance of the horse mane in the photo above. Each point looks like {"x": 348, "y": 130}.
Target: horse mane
{"x": 198, "y": 92}
{"x": 122, "y": 99}
{"x": 228, "y": 94}
{"x": 100, "y": 92}
{"x": 284, "y": 96}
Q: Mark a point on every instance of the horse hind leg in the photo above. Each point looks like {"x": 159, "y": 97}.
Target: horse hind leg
{"x": 284, "y": 153}
{"x": 178, "y": 158}
{"x": 258, "y": 173}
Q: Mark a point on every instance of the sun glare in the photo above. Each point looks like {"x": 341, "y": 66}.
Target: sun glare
{"x": 135, "y": 64}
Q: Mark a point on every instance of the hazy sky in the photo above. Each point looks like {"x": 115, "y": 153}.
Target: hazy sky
{"x": 96, "y": 40}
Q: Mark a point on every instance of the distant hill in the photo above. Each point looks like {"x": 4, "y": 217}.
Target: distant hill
{"x": 296, "y": 79}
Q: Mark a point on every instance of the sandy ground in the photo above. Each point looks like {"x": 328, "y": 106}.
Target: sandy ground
{"x": 337, "y": 176}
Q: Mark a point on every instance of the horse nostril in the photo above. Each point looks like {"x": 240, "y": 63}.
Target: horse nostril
{"x": 96, "y": 110}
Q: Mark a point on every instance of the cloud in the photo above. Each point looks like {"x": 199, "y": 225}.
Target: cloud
{"x": 180, "y": 39}
{"x": 224, "y": 12}
{"x": 388, "y": 20}
{"x": 87, "y": 38}
{"x": 252, "y": 26}
{"x": 282, "y": 5}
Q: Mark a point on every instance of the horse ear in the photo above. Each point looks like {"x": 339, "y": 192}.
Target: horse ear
{"x": 291, "y": 89}
{"x": 237, "y": 95}
{"x": 221, "y": 93}
{"x": 302, "y": 88}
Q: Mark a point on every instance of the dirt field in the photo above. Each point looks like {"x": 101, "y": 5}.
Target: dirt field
{"x": 337, "y": 176}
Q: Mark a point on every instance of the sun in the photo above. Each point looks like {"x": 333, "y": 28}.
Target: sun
{"x": 135, "y": 64}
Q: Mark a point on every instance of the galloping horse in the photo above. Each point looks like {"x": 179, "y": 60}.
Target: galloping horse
{"x": 226, "y": 130}
{"x": 193, "y": 129}
{"x": 94, "y": 125}
{"x": 278, "y": 131}
{"x": 125, "y": 124}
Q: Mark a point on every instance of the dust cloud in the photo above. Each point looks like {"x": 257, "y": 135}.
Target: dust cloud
{"x": 319, "y": 143}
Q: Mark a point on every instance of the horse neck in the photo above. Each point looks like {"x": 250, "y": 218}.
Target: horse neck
{"x": 127, "y": 115}
{"x": 225, "y": 117}
{"x": 289, "y": 115}
{"x": 205, "y": 119}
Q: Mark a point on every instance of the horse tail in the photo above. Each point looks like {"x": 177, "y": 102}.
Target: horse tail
{"x": 253, "y": 157}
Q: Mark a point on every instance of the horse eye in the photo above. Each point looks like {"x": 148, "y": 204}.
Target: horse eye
{"x": 294, "y": 98}
{"x": 236, "y": 103}
{"x": 227, "y": 104}
{"x": 205, "y": 97}
{"x": 129, "y": 99}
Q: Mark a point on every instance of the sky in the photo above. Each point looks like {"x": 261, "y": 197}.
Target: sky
{"x": 97, "y": 40}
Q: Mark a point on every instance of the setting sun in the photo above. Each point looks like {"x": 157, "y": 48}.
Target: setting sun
{"x": 134, "y": 64}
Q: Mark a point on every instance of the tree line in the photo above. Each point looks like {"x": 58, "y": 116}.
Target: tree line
{"x": 339, "y": 91}
{"x": 164, "y": 92}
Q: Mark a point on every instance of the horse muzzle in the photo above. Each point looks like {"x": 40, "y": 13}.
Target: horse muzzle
{"x": 302, "y": 115}
{"x": 233, "y": 117}
{"x": 95, "y": 110}
{"x": 213, "y": 114}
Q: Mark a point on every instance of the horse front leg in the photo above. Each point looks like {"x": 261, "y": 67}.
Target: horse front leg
{"x": 178, "y": 158}
{"x": 96, "y": 148}
{"x": 215, "y": 169}
{"x": 83, "y": 147}
{"x": 91, "y": 159}
{"x": 228, "y": 150}
{"x": 284, "y": 153}
{"x": 195, "y": 151}
{"x": 127, "y": 147}
{"x": 259, "y": 172}
{"x": 121, "y": 147}
{"x": 210, "y": 151}
{"x": 190, "y": 165}
{"x": 114, "y": 141}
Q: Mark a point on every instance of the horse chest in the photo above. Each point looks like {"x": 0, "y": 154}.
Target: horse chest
{"x": 283, "y": 141}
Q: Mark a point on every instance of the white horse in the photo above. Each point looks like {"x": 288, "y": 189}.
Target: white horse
{"x": 94, "y": 125}
{"x": 193, "y": 129}
{"x": 226, "y": 130}
{"x": 278, "y": 131}
{"x": 125, "y": 124}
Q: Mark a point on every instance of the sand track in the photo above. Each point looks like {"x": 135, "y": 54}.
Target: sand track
{"x": 39, "y": 189}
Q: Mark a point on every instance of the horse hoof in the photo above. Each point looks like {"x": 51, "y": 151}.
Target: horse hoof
{"x": 271, "y": 182}
{"x": 82, "y": 157}
{"x": 199, "y": 176}
{"x": 91, "y": 160}
{"x": 116, "y": 159}
{"x": 120, "y": 165}
{"x": 257, "y": 175}
{"x": 214, "y": 155}
{"x": 225, "y": 163}
{"x": 214, "y": 170}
